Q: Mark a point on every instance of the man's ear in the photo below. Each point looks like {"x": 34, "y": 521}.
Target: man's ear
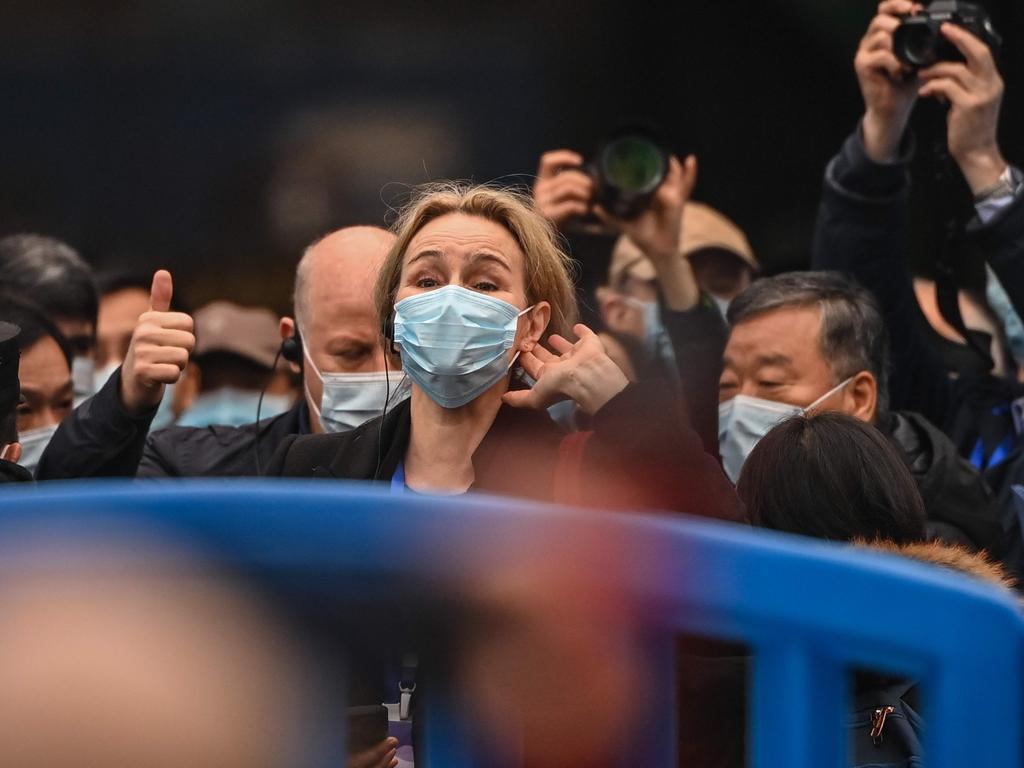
{"x": 11, "y": 452}
{"x": 860, "y": 397}
{"x": 537, "y": 321}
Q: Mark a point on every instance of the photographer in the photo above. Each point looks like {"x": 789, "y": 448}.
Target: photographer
{"x": 862, "y": 224}
{"x": 659, "y": 321}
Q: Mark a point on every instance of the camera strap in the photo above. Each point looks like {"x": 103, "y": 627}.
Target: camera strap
{"x": 947, "y": 291}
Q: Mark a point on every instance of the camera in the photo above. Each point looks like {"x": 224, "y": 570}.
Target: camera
{"x": 627, "y": 170}
{"x": 918, "y": 43}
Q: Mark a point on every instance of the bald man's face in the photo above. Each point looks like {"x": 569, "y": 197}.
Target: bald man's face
{"x": 339, "y": 325}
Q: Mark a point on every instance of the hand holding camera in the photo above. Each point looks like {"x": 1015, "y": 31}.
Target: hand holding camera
{"x": 974, "y": 91}
{"x": 945, "y": 50}
{"x": 887, "y": 84}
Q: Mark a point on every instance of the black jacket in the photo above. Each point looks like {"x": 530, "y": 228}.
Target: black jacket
{"x": 862, "y": 230}
{"x": 100, "y": 439}
{"x": 641, "y": 454}
{"x": 957, "y": 501}
{"x": 698, "y": 339}
{"x": 13, "y": 473}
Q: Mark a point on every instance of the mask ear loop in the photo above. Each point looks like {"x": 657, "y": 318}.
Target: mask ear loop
{"x": 837, "y": 388}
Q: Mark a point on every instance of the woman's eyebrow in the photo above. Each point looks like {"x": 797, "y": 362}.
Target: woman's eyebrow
{"x": 428, "y": 254}
{"x": 489, "y": 256}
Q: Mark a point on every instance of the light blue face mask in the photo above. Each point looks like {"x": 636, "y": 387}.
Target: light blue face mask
{"x": 232, "y": 407}
{"x": 455, "y": 342}
{"x": 744, "y": 420}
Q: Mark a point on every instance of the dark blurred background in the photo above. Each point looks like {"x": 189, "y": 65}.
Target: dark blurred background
{"x": 217, "y": 138}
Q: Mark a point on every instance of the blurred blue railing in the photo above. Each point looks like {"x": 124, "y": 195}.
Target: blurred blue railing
{"x": 810, "y": 612}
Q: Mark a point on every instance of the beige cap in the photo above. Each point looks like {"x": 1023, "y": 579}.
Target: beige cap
{"x": 703, "y": 227}
{"x": 250, "y": 332}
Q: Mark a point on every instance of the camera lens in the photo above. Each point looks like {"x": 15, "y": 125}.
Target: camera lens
{"x": 633, "y": 164}
{"x": 916, "y": 44}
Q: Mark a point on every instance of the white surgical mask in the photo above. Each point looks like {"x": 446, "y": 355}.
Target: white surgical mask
{"x": 83, "y": 379}
{"x": 33, "y": 443}
{"x": 351, "y": 399}
{"x": 744, "y": 420}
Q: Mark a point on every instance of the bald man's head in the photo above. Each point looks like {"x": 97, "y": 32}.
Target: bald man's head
{"x": 334, "y": 309}
{"x": 344, "y": 262}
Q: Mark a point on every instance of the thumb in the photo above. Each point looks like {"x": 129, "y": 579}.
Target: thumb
{"x": 161, "y": 292}
{"x": 519, "y": 398}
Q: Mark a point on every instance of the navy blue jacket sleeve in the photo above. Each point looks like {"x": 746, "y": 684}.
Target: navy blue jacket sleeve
{"x": 861, "y": 230}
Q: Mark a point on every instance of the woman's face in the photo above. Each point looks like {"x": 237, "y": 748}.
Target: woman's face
{"x": 45, "y": 385}
{"x": 474, "y": 253}
{"x": 467, "y": 251}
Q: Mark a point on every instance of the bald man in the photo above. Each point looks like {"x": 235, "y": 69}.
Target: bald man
{"x": 334, "y": 339}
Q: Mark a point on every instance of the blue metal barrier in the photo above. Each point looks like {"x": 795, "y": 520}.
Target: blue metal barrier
{"x": 809, "y": 611}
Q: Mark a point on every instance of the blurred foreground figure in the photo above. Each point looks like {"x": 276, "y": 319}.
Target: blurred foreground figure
{"x": 122, "y": 666}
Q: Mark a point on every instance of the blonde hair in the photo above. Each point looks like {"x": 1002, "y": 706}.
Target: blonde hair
{"x": 548, "y": 270}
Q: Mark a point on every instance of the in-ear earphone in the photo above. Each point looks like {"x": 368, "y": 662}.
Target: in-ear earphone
{"x": 291, "y": 348}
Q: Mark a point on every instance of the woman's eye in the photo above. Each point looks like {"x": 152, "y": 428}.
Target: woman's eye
{"x": 769, "y": 384}
{"x": 486, "y": 286}
{"x": 427, "y": 282}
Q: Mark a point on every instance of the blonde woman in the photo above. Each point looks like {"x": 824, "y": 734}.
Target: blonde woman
{"x": 474, "y": 293}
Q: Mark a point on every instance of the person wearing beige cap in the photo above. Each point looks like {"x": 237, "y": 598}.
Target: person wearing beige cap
{"x": 233, "y": 363}
{"x": 719, "y": 253}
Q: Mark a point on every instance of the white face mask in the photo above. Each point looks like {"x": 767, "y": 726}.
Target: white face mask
{"x": 351, "y": 399}
{"x": 33, "y": 443}
{"x": 83, "y": 379}
{"x": 744, "y": 420}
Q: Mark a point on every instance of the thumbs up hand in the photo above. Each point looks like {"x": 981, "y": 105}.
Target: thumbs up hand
{"x": 159, "y": 350}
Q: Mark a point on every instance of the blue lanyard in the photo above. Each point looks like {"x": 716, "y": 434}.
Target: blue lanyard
{"x": 398, "y": 480}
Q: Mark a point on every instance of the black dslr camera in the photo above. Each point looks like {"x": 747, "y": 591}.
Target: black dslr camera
{"x": 627, "y": 171}
{"x": 918, "y": 43}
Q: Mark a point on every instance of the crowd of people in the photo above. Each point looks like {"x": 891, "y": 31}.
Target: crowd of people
{"x": 443, "y": 355}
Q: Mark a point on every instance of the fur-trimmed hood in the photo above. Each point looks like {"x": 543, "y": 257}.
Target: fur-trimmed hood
{"x": 951, "y": 557}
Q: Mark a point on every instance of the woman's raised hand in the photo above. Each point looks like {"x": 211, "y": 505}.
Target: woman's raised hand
{"x": 581, "y": 372}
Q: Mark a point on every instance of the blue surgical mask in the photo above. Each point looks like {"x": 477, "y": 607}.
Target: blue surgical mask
{"x": 232, "y": 407}
{"x": 744, "y": 420}
{"x": 455, "y": 342}
{"x": 351, "y": 399}
{"x": 33, "y": 443}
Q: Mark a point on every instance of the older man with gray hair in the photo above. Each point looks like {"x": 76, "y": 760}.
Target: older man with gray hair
{"x": 334, "y": 340}
{"x": 808, "y": 341}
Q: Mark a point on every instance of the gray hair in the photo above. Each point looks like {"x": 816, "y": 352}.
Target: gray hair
{"x": 853, "y": 334}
